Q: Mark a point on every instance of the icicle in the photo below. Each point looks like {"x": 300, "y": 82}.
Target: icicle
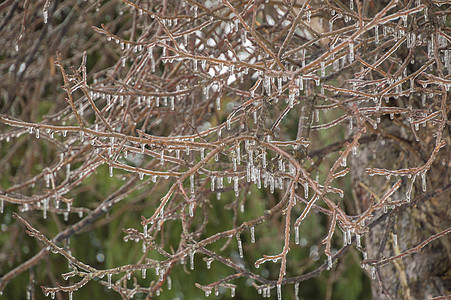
{"x": 45, "y": 12}
{"x": 351, "y": 52}
{"x": 296, "y": 235}
{"x": 240, "y": 246}
{"x": 423, "y": 181}
{"x": 395, "y": 241}
{"x": 329, "y": 261}
{"x": 218, "y": 103}
{"x": 2, "y": 206}
{"x": 191, "y": 180}
{"x": 348, "y": 234}
{"x": 309, "y": 16}
{"x": 145, "y": 231}
{"x": 209, "y": 261}
{"x": 323, "y": 69}
{"x": 357, "y": 238}
{"x": 169, "y": 280}
{"x": 47, "y": 180}
{"x": 44, "y": 211}
{"x": 109, "y": 280}
{"x": 373, "y": 272}
{"x": 279, "y": 84}
{"x": 191, "y": 209}
{"x": 351, "y": 4}
{"x": 212, "y": 183}
{"x": 343, "y": 162}
{"x": 296, "y": 290}
{"x": 232, "y": 292}
{"x": 191, "y": 259}
{"x": 291, "y": 99}
{"x": 144, "y": 273}
{"x": 235, "y": 185}
{"x": 252, "y": 234}
{"x": 271, "y": 184}
{"x": 111, "y": 171}
{"x": 279, "y": 291}
{"x": 202, "y": 153}
{"x": 71, "y": 295}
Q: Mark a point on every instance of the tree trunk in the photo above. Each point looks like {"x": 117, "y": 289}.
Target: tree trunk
{"x": 427, "y": 273}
